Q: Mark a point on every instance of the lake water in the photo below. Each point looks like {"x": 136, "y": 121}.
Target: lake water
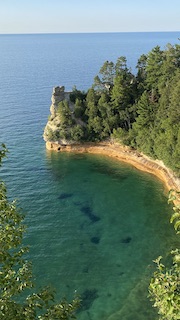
{"x": 94, "y": 224}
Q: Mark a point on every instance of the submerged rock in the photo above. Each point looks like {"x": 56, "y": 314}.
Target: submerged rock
{"x": 126, "y": 240}
{"x": 88, "y": 297}
{"x": 95, "y": 240}
{"x": 87, "y": 210}
{"x": 112, "y": 172}
{"x": 65, "y": 196}
{"x": 86, "y": 270}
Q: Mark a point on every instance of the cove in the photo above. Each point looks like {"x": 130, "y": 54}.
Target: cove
{"x": 99, "y": 226}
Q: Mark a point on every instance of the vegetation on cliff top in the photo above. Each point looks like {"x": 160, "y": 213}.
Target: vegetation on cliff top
{"x": 142, "y": 110}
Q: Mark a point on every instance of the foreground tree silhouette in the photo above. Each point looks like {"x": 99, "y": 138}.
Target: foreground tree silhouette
{"x": 19, "y": 300}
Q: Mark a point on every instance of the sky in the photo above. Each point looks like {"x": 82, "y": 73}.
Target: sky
{"x": 69, "y": 16}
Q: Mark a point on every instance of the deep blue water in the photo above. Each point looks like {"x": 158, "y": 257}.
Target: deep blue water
{"x": 86, "y": 216}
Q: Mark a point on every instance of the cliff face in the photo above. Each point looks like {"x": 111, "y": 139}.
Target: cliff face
{"x": 55, "y": 123}
{"x": 62, "y": 126}
{"x": 54, "y": 120}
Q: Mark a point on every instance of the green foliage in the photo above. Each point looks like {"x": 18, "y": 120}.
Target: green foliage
{"x": 3, "y": 152}
{"x": 77, "y": 94}
{"x": 110, "y": 101}
{"x": 141, "y": 73}
{"x": 156, "y": 127}
{"x": 121, "y": 135}
{"x": 18, "y": 298}
{"x": 79, "y": 109}
{"x": 104, "y": 82}
{"x": 164, "y": 288}
{"x": 64, "y": 114}
{"x": 154, "y": 71}
{"x": 52, "y": 135}
{"x": 175, "y": 218}
{"x": 144, "y": 124}
{"x": 106, "y": 75}
{"x": 77, "y": 133}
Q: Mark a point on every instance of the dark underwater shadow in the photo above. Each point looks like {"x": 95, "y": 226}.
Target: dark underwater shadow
{"x": 111, "y": 172}
{"x": 88, "y": 212}
{"x": 87, "y": 298}
{"x": 65, "y": 195}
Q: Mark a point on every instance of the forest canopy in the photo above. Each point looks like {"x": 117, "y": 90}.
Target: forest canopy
{"x": 140, "y": 110}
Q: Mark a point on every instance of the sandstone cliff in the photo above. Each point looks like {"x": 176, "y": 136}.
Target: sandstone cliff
{"x": 62, "y": 126}
{"x": 54, "y": 121}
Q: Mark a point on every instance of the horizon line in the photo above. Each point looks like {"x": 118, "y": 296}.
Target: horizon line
{"x": 89, "y": 32}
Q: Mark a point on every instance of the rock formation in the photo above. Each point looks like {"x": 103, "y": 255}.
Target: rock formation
{"x": 63, "y": 128}
{"x": 54, "y": 121}
{"x": 58, "y": 95}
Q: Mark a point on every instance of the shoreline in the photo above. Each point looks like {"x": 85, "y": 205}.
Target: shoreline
{"x": 124, "y": 154}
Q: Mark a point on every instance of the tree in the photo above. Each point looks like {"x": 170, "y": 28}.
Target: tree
{"x": 154, "y": 72}
{"x": 123, "y": 94}
{"x": 166, "y": 124}
{"x": 64, "y": 113}
{"x": 144, "y": 125}
{"x": 18, "y": 298}
{"x": 141, "y": 73}
{"x": 77, "y": 94}
{"x": 107, "y": 72}
{"x": 77, "y": 132}
{"x": 175, "y": 218}
{"x": 104, "y": 81}
{"x": 78, "y": 108}
{"x": 164, "y": 288}
{"x": 106, "y": 113}
{"x": 171, "y": 63}
{"x": 121, "y": 65}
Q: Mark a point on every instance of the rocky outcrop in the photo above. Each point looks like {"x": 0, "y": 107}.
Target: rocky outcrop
{"x": 58, "y": 95}
{"x": 54, "y": 121}
{"x": 62, "y": 126}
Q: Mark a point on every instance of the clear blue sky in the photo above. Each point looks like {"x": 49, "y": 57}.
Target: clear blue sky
{"x": 59, "y": 16}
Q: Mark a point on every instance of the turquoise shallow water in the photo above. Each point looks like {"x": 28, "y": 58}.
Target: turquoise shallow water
{"x": 94, "y": 224}
{"x": 102, "y": 224}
